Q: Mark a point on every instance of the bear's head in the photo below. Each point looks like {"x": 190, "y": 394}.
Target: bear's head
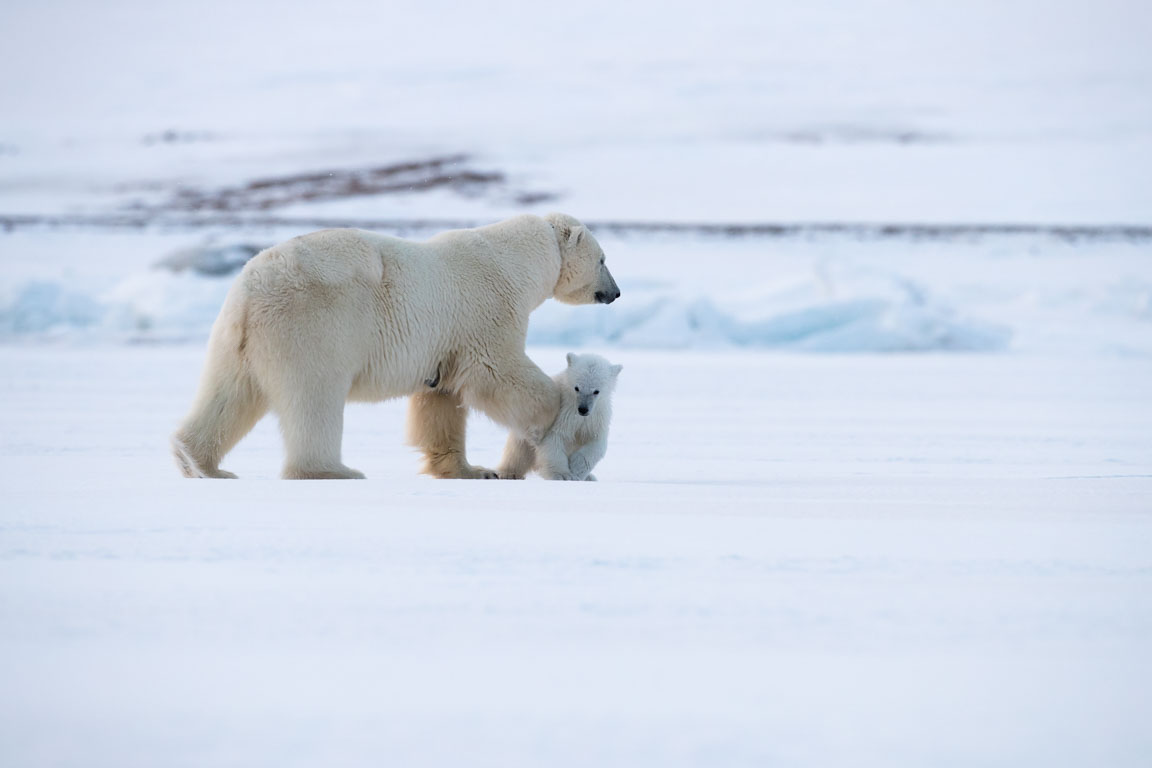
{"x": 583, "y": 277}
{"x": 589, "y": 377}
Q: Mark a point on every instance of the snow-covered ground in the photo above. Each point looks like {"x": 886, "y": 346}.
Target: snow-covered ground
{"x": 879, "y": 560}
{"x": 935, "y": 550}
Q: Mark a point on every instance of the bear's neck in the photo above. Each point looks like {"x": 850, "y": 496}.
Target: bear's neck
{"x": 531, "y": 243}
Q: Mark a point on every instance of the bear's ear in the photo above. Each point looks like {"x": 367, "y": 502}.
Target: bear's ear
{"x": 576, "y": 235}
{"x": 571, "y": 359}
{"x": 616, "y": 370}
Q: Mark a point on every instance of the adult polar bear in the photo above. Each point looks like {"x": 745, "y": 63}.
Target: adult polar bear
{"x": 344, "y": 314}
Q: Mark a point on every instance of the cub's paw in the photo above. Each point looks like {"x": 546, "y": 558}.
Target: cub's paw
{"x": 579, "y": 466}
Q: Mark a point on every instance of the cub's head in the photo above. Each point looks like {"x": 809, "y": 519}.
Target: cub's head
{"x": 589, "y": 378}
{"x": 583, "y": 277}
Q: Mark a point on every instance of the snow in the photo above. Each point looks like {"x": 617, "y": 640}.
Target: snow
{"x": 879, "y": 487}
{"x": 875, "y": 560}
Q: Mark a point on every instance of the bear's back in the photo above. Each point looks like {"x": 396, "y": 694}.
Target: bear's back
{"x": 325, "y": 257}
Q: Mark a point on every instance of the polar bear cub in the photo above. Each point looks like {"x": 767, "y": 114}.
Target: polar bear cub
{"x": 578, "y": 438}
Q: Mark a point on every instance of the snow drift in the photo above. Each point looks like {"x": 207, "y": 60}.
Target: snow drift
{"x": 846, "y": 310}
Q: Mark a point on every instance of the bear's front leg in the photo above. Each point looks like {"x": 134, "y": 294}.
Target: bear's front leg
{"x": 588, "y": 456}
{"x": 437, "y": 424}
{"x": 522, "y": 398}
{"x": 519, "y": 456}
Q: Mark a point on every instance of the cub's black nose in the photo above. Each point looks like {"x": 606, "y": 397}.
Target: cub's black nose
{"x": 583, "y": 410}
{"x": 604, "y": 297}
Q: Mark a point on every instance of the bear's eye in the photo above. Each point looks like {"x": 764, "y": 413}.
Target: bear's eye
{"x": 577, "y": 389}
{"x": 596, "y": 392}
{"x": 601, "y": 261}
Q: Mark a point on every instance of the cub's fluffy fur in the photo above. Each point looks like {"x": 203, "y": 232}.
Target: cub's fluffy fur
{"x": 579, "y": 438}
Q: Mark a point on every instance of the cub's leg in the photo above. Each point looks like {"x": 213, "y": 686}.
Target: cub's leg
{"x": 552, "y": 461}
{"x": 437, "y": 424}
{"x": 588, "y": 456}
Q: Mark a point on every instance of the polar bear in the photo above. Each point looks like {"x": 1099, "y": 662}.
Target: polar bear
{"x": 344, "y": 314}
{"x": 579, "y": 437}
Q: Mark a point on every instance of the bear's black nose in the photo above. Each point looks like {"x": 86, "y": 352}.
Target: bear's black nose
{"x": 603, "y": 297}
{"x": 583, "y": 410}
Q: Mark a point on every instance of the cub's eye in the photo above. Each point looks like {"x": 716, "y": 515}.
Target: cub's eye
{"x": 577, "y": 389}
{"x": 596, "y": 392}
{"x": 601, "y": 261}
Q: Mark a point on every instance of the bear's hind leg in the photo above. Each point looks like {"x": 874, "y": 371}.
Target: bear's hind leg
{"x": 312, "y": 424}
{"x": 437, "y": 425}
{"x": 227, "y": 406}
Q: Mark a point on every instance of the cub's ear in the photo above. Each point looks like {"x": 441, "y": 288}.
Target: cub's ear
{"x": 571, "y": 359}
{"x": 576, "y": 235}
{"x": 616, "y": 370}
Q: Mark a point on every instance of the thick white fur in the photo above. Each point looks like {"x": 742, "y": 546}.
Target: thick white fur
{"x": 344, "y": 314}
{"x": 576, "y": 442}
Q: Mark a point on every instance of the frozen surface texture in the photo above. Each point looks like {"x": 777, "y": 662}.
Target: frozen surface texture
{"x": 807, "y": 560}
